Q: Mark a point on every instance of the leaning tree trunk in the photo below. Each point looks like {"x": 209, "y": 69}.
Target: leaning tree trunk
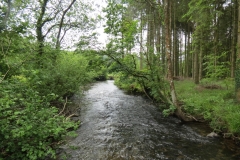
{"x": 168, "y": 56}
{"x": 174, "y": 102}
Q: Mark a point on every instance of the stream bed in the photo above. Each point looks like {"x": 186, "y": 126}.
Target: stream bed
{"x": 118, "y": 126}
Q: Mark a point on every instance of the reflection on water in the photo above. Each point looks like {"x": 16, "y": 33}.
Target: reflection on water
{"x": 117, "y": 126}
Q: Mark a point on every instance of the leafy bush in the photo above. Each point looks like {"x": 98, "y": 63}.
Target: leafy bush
{"x": 29, "y": 127}
{"x": 214, "y": 68}
{"x": 97, "y": 64}
{"x": 127, "y": 83}
{"x": 62, "y": 77}
{"x": 169, "y": 111}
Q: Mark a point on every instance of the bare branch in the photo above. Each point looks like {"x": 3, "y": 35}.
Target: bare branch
{"x": 1, "y": 80}
{"x": 49, "y": 29}
{"x": 65, "y": 31}
{"x": 64, "y": 106}
{"x": 61, "y": 23}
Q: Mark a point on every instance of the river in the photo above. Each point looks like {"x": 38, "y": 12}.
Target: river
{"x": 118, "y": 126}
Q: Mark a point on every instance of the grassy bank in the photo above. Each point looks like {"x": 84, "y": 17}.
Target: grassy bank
{"x": 212, "y": 101}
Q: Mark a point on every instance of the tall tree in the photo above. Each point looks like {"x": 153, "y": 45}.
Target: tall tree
{"x": 234, "y": 37}
{"x": 41, "y": 21}
{"x": 54, "y": 20}
{"x": 179, "y": 113}
{"x": 237, "y": 76}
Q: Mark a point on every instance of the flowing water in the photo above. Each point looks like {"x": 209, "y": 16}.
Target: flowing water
{"x": 117, "y": 126}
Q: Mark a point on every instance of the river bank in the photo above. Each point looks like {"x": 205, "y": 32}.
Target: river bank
{"x": 212, "y": 102}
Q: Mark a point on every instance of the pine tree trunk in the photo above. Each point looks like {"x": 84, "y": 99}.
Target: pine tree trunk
{"x": 185, "y": 56}
{"x": 150, "y": 35}
{"x": 196, "y": 64}
{"x": 141, "y": 42}
{"x": 237, "y": 76}
{"x": 201, "y": 57}
{"x": 188, "y": 55}
{"x": 190, "y": 60}
{"x": 234, "y": 38}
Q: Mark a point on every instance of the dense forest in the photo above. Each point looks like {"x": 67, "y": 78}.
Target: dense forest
{"x": 182, "y": 54}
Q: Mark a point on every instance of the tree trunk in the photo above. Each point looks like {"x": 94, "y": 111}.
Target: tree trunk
{"x": 141, "y": 42}
{"x": 234, "y": 38}
{"x": 40, "y": 23}
{"x": 163, "y": 50}
{"x": 175, "y": 44}
{"x": 201, "y": 57}
{"x": 237, "y": 76}
{"x": 150, "y": 34}
{"x": 174, "y": 102}
{"x": 168, "y": 53}
{"x": 196, "y": 64}
{"x": 190, "y": 64}
{"x": 3, "y": 24}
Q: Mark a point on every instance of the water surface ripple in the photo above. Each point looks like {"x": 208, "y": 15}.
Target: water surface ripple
{"x": 117, "y": 126}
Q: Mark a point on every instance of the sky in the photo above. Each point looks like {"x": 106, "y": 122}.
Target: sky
{"x": 102, "y": 38}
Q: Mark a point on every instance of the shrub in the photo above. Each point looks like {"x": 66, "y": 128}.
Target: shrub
{"x": 29, "y": 127}
{"x": 63, "y": 77}
{"x": 217, "y": 70}
{"x": 127, "y": 83}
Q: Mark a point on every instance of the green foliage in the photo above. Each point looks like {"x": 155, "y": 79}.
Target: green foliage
{"x": 149, "y": 82}
{"x": 114, "y": 12}
{"x": 123, "y": 27}
{"x": 127, "y": 83}
{"x": 97, "y": 64}
{"x": 132, "y": 78}
{"x": 33, "y": 76}
{"x": 127, "y": 68}
{"x": 216, "y": 69}
{"x": 232, "y": 118}
{"x": 15, "y": 51}
{"x": 62, "y": 76}
{"x": 29, "y": 128}
{"x": 169, "y": 111}
{"x": 158, "y": 89}
{"x": 215, "y": 105}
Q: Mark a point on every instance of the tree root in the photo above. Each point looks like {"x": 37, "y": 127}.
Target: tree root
{"x": 185, "y": 117}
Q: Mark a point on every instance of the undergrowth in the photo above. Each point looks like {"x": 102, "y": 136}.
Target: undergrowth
{"x": 213, "y": 101}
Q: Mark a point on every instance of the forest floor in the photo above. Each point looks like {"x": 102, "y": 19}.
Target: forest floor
{"x": 212, "y": 102}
